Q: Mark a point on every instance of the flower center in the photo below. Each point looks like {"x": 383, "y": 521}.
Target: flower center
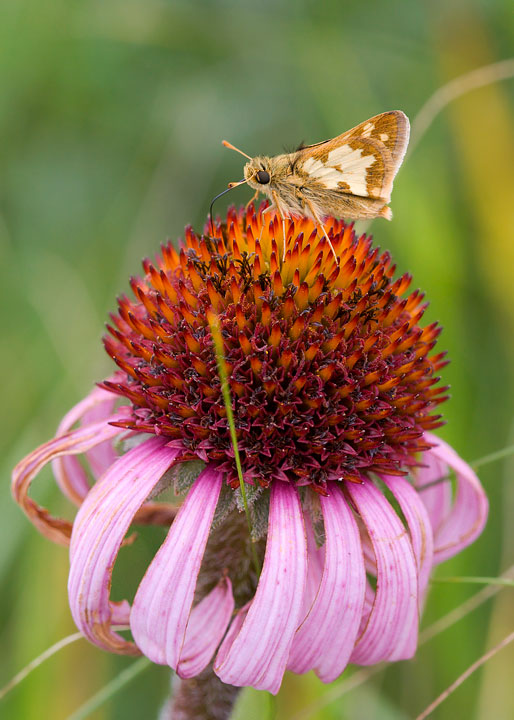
{"x": 330, "y": 373}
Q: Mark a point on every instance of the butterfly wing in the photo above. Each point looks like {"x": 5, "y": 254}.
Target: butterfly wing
{"x": 362, "y": 161}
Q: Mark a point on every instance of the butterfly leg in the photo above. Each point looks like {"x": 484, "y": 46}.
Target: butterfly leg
{"x": 282, "y": 215}
{"x": 320, "y": 225}
{"x": 266, "y": 210}
{"x": 252, "y": 200}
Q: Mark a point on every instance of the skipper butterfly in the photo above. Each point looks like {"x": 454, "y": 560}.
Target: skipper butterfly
{"x": 350, "y": 176}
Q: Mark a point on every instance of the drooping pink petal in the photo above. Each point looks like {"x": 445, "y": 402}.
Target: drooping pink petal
{"x": 233, "y": 631}
{"x": 466, "y": 519}
{"x": 434, "y": 491}
{"x": 257, "y": 655}
{"x": 326, "y": 638}
{"x": 162, "y": 606}
{"x": 101, "y": 457}
{"x": 71, "y": 443}
{"x": 71, "y": 478}
{"x": 370, "y": 561}
{"x": 420, "y": 529}
{"x": 205, "y": 629}
{"x": 369, "y": 601}
{"x": 315, "y": 562}
{"x": 97, "y": 397}
{"x": 69, "y": 473}
{"x": 393, "y": 621}
{"x": 98, "y": 532}
{"x": 120, "y": 612}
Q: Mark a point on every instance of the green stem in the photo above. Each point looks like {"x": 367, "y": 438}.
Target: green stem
{"x": 38, "y": 661}
{"x": 498, "y": 455}
{"x": 110, "y": 689}
{"x": 475, "y": 580}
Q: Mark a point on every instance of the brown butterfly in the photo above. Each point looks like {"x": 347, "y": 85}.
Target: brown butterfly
{"x": 350, "y": 176}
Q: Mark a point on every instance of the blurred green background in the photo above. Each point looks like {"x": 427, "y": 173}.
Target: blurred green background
{"x": 111, "y": 117}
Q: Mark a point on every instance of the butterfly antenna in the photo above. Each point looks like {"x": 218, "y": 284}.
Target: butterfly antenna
{"x": 231, "y": 186}
{"x": 233, "y": 147}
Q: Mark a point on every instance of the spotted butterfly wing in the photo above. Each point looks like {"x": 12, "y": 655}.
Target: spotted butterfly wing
{"x": 362, "y": 161}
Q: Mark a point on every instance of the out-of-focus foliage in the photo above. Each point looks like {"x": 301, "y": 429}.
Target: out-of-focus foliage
{"x": 111, "y": 117}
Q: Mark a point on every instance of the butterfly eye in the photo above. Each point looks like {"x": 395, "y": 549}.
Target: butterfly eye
{"x": 263, "y": 177}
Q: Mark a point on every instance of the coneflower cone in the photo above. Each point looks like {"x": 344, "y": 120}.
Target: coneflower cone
{"x": 331, "y": 373}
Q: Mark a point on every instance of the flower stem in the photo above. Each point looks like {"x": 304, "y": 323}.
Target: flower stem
{"x": 203, "y": 697}
{"x": 225, "y": 389}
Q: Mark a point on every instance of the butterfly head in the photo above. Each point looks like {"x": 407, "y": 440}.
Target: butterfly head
{"x": 258, "y": 173}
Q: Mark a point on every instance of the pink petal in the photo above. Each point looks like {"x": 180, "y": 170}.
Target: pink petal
{"x": 71, "y": 478}
{"x": 96, "y": 398}
{"x": 101, "y": 457}
{"x": 315, "y": 562}
{"x": 466, "y": 519}
{"x": 393, "y": 622}
{"x": 370, "y": 562}
{"x": 69, "y": 473}
{"x": 420, "y": 529}
{"x": 162, "y": 605}
{"x": 72, "y": 443}
{"x": 205, "y": 629}
{"x": 369, "y": 601}
{"x": 257, "y": 655}
{"x": 98, "y": 531}
{"x": 233, "y": 631}
{"x": 435, "y": 493}
{"x": 326, "y": 638}
{"x": 120, "y": 612}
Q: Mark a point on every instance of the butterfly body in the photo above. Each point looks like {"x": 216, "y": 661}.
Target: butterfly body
{"x": 349, "y": 176}
{"x": 298, "y": 193}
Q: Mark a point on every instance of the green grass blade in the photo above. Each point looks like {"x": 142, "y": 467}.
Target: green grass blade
{"x": 476, "y": 580}
{"x": 17, "y": 679}
{"x": 110, "y": 689}
{"x": 225, "y": 389}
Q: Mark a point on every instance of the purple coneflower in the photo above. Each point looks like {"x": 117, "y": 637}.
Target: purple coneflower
{"x": 334, "y": 386}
